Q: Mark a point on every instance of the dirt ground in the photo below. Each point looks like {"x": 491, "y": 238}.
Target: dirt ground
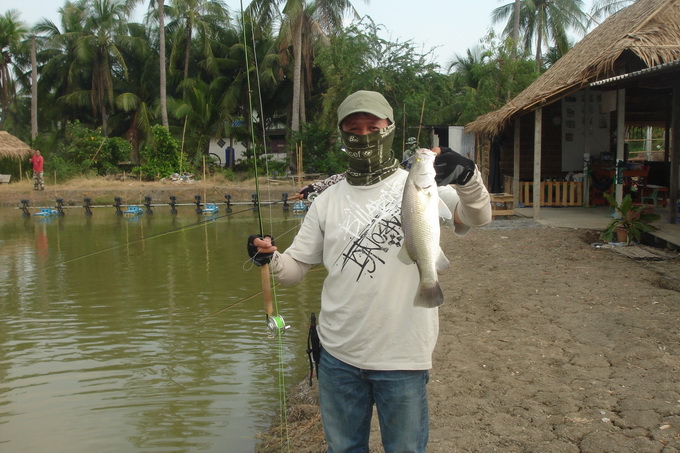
{"x": 547, "y": 344}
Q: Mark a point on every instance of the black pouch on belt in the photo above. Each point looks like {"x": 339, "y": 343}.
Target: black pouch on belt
{"x": 313, "y": 348}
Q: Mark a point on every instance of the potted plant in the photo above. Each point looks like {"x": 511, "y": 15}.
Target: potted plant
{"x": 630, "y": 221}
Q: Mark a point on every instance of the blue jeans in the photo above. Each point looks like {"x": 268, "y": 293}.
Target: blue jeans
{"x": 347, "y": 395}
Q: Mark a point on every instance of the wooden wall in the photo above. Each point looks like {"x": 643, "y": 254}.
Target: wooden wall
{"x": 551, "y": 158}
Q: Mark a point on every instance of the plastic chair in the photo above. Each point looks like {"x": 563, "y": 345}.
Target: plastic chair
{"x": 653, "y": 197}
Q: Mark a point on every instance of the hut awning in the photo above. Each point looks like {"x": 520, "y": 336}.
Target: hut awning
{"x": 13, "y": 148}
{"x": 649, "y": 29}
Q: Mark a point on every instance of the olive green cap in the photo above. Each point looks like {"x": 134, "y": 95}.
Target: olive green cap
{"x": 367, "y": 102}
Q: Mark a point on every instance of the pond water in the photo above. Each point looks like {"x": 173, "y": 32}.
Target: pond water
{"x": 143, "y": 333}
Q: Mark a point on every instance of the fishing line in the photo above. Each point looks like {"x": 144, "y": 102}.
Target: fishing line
{"x": 228, "y": 307}
{"x": 153, "y": 236}
{"x": 315, "y": 268}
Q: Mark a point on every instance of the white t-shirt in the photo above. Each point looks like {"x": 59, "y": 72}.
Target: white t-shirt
{"x": 367, "y": 316}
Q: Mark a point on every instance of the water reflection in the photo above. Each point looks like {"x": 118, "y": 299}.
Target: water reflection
{"x": 114, "y": 332}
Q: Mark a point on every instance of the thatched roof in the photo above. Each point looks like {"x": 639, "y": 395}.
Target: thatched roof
{"x": 13, "y": 148}
{"x": 648, "y": 28}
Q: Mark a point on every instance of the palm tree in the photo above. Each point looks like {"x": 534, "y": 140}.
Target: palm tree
{"x": 156, "y": 12}
{"x": 163, "y": 65}
{"x": 203, "y": 16}
{"x": 203, "y": 108}
{"x": 97, "y": 48}
{"x": 603, "y": 8}
{"x": 137, "y": 94}
{"x": 34, "y": 88}
{"x": 12, "y": 32}
{"x": 468, "y": 68}
{"x": 300, "y": 20}
{"x": 60, "y": 70}
{"x": 542, "y": 22}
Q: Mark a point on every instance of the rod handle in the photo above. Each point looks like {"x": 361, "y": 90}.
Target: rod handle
{"x": 267, "y": 289}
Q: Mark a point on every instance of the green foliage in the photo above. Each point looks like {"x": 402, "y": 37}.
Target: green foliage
{"x": 629, "y": 217}
{"x": 91, "y": 151}
{"x": 321, "y": 151}
{"x": 163, "y": 157}
{"x": 483, "y": 80}
{"x": 358, "y": 59}
{"x": 117, "y": 73}
{"x": 266, "y": 165}
{"x": 65, "y": 169}
{"x": 487, "y": 77}
{"x": 228, "y": 174}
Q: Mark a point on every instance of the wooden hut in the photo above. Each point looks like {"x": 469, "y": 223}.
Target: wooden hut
{"x": 572, "y": 119}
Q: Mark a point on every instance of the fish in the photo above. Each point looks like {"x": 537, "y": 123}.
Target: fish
{"x": 421, "y": 210}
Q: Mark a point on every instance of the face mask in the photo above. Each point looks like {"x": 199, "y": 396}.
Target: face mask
{"x": 370, "y": 156}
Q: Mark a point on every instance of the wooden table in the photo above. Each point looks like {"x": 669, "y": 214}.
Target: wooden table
{"x": 502, "y": 204}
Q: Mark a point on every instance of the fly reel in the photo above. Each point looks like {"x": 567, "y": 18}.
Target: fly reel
{"x": 276, "y": 325}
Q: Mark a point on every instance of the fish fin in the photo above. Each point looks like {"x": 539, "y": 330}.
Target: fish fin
{"x": 429, "y": 295}
{"x": 444, "y": 211}
{"x": 442, "y": 262}
{"x": 404, "y": 256}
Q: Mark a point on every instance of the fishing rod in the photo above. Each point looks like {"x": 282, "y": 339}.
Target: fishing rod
{"x": 275, "y": 323}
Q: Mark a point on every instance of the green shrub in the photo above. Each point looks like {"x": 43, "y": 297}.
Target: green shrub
{"x": 321, "y": 150}
{"x": 163, "y": 157}
{"x": 89, "y": 150}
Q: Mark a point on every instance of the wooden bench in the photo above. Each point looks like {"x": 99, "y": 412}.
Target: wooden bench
{"x": 4, "y": 179}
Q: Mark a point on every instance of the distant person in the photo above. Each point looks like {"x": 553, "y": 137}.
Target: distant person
{"x": 37, "y": 160}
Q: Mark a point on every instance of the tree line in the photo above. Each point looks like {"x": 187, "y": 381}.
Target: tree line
{"x": 194, "y": 71}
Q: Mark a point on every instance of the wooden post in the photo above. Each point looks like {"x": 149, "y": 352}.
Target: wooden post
{"x": 538, "y": 116}
{"x": 620, "y": 135}
{"x": 515, "y": 164}
{"x": 587, "y": 137}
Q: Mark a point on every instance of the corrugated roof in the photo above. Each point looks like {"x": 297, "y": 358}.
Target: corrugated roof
{"x": 643, "y": 72}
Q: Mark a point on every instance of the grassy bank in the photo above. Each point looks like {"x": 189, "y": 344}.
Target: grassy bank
{"x": 102, "y": 191}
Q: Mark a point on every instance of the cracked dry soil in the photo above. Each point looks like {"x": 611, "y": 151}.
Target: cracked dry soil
{"x": 546, "y": 344}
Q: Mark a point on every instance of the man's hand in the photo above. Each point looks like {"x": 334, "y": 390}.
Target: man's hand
{"x": 260, "y": 249}
{"x": 452, "y": 168}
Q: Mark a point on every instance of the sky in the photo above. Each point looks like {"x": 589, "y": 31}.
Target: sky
{"x": 451, "y": 27}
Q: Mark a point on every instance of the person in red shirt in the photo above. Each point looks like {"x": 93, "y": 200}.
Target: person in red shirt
{"x": 37, "y": 160}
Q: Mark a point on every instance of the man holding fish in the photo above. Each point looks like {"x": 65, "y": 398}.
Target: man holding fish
{"x": 377, "y": 234}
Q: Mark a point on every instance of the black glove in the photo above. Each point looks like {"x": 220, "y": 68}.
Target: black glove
{"x": 259, "y": 258}
{"x": 305, "y": 191}
{"x": 452, "y": 168}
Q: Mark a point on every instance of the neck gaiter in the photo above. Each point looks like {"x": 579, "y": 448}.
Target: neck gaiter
{"x": 371, "y": 158}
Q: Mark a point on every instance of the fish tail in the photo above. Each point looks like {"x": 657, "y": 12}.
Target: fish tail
{"x": 429, "y": 295}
